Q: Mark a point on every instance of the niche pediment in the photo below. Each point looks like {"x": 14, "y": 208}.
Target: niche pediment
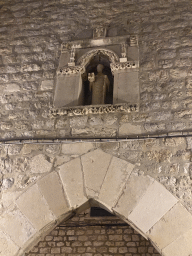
{"x": 98, "y": 71}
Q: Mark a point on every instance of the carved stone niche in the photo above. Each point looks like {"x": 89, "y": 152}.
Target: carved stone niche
{"x": 120, "y": 57}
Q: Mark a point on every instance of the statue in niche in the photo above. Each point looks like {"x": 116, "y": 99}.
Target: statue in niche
{"x": 98, "y": 85}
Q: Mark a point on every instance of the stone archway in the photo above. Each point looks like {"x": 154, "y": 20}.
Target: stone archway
{"x": 100, "y": 178}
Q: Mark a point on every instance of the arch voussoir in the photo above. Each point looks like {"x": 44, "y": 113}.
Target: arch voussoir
{"x": 154, "y": 204}
{"x": 7, "y": 246}
{"x": 51, "y": 188}
{"x": 135, "y": 187}
{"x": 95, "y": 165}
{"x": 182, "y": 246}
{"x": 114, "y": 181}
{"x": 16, "y": 226}
{"x": 170, "y": 228}
{"x": 72, "y": 178}
{"x": 34, "y": 206}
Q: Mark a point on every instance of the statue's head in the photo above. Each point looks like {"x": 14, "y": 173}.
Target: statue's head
{"x": 100, "y": 68}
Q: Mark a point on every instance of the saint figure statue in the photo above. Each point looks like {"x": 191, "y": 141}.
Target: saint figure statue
{"x": 98, "y": 85}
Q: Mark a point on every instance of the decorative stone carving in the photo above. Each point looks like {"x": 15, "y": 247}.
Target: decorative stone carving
{"x": 84, "y": 60}
{"x": 99, "y": 32}
{"x": 118, "y": 54}
{"x": 123, "y": 53}
{"x": 72, "y": 58}
{"x": 71, "y": 70}
{"x": 99, "y": 109}
{"x": 122, "y": 66}
{"x": 133, "y": 41}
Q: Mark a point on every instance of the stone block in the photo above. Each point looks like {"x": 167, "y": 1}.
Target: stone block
{"x": 155, "y": 203}
{"x": 80, "y": 121}
{"x": 52, "y": 149}
{"x": 9, "y": 197}
{"x": 115, "y": 179}
{"x": 17, "y": 226}
{"x": 7, "y": 246}
{"x": 178, "y": 73}
{"x": 28, "y": 148}
{"x": 181, "y": 246}
{"x": 129, "y": 129}
{"x": 68, "y": 90}
{"x": 136, "y": 187}
{"x": 95, "y": 165}
{"x": 14, "y": 149}
{"x": 72, "y": 178}
{"x": 52, "y": 189}
{"x": 186, "y": 52}
{"x": 173, "y": 224}
{"x": 94, "y": 132}
{"x": 126, "y": 87}
{"x": 60, "y": 160}
{"x": 33, "y": 205}
{"x": 39, "y": 164}
{"x": 47, "y": 85}
{"x": 10, "y": 88}
{"x": 189, "y": 142}
{"x": 77, "y": 148}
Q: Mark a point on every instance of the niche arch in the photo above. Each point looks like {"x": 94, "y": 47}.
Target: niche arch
{"x": 85, "y": 58}
{"x": 87, "y": 181}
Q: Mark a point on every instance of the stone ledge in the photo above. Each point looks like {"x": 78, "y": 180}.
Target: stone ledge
{"x": 94, "y": 109}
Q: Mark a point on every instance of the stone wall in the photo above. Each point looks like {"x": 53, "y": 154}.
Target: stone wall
{"x": 83, "y": 235}
{"x": 145, "y": 182}
{"x": 31, "y": 33}
{"x": 167, "y": 160}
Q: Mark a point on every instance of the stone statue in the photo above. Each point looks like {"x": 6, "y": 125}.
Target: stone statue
{"x": 98, "y": 85}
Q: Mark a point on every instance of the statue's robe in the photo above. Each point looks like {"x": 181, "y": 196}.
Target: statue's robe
{"x": 99, "y": 89}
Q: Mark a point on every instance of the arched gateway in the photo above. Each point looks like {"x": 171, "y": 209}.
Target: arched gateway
{"x": 97, "y": 178}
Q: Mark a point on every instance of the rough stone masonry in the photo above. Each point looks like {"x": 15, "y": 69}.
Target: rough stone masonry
{"x": 31, "y": 33}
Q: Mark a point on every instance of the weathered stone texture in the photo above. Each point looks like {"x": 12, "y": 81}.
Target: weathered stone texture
{"x": 37, "y": 211}
{"x": 31, "y": 33}
{"x": 29, "y": 58}
{"x": 7, "y": 246}
{"x": 167, "y": 160}
{"x": 179, "y": 221}
{"x": 95, "y": 165}
{"x": 154, "y": 204}
{"x": 72, "y": 176}
{"x": 16, "y": 226}
{"x": 51, "y": 188}
{"x": 114, "y": 181}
